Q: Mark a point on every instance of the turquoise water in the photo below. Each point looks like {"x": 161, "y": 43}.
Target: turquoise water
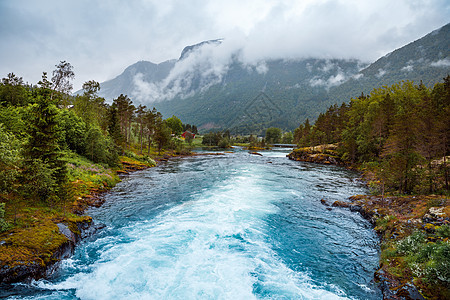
{"x": 235, "y": 226}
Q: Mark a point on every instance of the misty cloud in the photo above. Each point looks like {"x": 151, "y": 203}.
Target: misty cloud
{"x": 381, "y": 73}
{"x": 442, "y": 63}
{"x": 358, "y": 76}
{"x": 101, "y": 38}
{"x": 197, "y": 71}
{"x": 333, "y": 80}
{"x": 407, "y": 68}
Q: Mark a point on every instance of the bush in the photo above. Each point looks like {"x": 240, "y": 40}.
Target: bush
{"x": 38, "y": 180}
{"x": 443, "y": 231}
{"x": 411, "y": 244}
{"x": 10, "y": 160}
{"x": 439, "y": 266}
{"x": 224, "y": 143}
{"x": 428, "y": 260}
{"x": 99, "y": 148}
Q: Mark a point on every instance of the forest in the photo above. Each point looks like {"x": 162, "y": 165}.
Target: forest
{"x": 49, "y": 139}
{"x": 401, "y": 133}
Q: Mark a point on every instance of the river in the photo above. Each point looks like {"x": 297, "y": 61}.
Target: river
{"x": 234, "y": 226}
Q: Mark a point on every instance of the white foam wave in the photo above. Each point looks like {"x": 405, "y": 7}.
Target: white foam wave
{"x": 212, "y": 247}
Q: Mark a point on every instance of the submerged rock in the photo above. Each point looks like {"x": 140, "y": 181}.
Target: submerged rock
{"x": 256, "y": 153}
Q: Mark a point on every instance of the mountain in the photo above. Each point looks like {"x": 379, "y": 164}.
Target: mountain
{"x": 189, "y": 49}
{"x": 124, "y": 83}
{"x": 250, "y": 99}
{"x": 426, "y": 59}
{"x": 216, "y": 89}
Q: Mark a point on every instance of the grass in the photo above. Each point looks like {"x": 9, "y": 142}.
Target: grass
{"x": 86, "y": 176}
{"x": 35, "y": 237}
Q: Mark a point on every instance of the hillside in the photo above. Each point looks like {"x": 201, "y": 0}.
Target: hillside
{"x": 124, "y": 83}
{"x": 426, "y": 60}
{"x": 215, "y": 91}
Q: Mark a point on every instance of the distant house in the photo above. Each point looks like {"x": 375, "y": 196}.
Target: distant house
{"x": 188, "y": 133}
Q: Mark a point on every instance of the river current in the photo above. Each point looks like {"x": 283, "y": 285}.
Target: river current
{"x": 234, "y": 226}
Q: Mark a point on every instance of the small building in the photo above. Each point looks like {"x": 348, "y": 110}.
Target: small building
{"x": 188, "y": 133}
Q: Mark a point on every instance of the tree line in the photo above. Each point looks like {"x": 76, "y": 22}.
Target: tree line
{"x": 400, "y": 132}
{"x": 40, "y": 124}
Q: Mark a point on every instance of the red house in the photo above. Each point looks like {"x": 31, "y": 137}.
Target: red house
{"x": 187, "y": 133}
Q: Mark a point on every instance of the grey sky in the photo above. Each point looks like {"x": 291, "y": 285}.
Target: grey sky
{"x": 101, "y": 38}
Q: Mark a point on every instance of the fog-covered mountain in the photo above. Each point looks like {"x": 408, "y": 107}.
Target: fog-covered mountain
{"x": 214, "y": 85}
{"x": 124, "y": 83}
{"x": 426, "y": 60}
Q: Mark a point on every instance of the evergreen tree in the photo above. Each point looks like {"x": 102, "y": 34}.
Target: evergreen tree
{"x": 42, "y": 152}
{"x": 162, "y": 133}
{"x": 125, "y": 110}
{"x": 140, "y": 119}
{"x": 13, "y": 91}
{"x": 150, "y": 118}
{"x": 114, "y": 126}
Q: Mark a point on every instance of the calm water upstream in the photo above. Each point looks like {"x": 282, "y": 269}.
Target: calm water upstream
{"x": 235, "y": 226}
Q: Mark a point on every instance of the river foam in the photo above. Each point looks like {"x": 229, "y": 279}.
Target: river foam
{"x": 233, "y": 227}
{"x": 211, "y": 247}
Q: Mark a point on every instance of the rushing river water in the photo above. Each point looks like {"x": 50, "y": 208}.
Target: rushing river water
{"x": 235, "y": 226}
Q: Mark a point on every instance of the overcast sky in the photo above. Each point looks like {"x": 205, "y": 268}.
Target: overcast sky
{"x": 101, "y": 38}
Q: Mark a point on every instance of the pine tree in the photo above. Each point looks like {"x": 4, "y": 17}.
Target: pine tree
{"x": 114, "y": 126}
{"x": 42, "y": 153}
{"x": 140, "y": 119}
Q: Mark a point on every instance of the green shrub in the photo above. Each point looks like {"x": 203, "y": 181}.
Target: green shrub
{"x": 99, "y": 148}
{"x": 411, "y": 244}
{"x": 443, "y": 231}
{"x": 38, "y": 181}
{"x": 438, "y": 268}
{"x": 430, "y": 261}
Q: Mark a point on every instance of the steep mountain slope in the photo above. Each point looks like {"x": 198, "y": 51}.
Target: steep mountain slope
{"x": 217, "y": 90}
{"x": 426, "y": 60}
{"x": 248, "y": 100}
{"x": 125, "y": 82}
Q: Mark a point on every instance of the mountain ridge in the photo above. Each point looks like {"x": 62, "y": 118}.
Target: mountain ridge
{"x": 211, "y": 91}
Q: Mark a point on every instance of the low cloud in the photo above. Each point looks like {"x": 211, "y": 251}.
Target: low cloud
{"x": 197, "y": 71}
{"x": 358, "y": 76}
{"x": 381, "y": 73}
{"x": 407, "y": 68}
{"x": 331, "y": 81}
{"x": 442, "y": 63}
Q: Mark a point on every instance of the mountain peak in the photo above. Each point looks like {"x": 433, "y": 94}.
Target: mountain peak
{"x": 189, "y": 49}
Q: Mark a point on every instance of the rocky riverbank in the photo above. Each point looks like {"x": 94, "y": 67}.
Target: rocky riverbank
{"x": 323, "y": 154}
{"x": 35, "y": 252}
{"x": 414, "y": 233}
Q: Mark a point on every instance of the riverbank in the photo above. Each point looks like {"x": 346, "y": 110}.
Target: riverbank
{"x": 414, "y": 234}
{"x": 44, "y": 235}
{"x": 322, "y": 154}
